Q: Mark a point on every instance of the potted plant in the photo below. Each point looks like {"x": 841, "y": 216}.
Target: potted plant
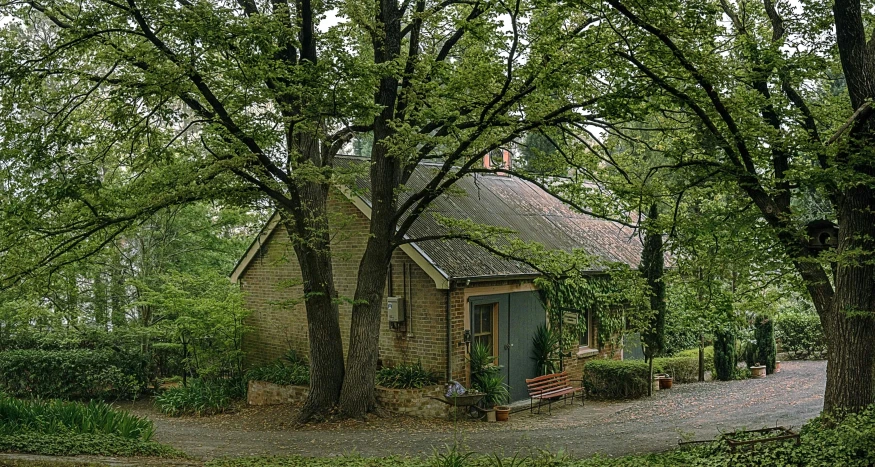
{"x": 758, "y": 371}
{"x": 486, "y": 378}
{"x": 665, "y": 381}
{"x": 545, "y": 347}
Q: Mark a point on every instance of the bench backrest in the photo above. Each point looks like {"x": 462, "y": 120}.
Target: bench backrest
{"x": 547, "y": 383}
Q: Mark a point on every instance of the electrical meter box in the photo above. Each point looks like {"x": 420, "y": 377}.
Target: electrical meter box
{"x": 395, "y": 309}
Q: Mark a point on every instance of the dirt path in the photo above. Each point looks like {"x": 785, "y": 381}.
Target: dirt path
{"x": 694, "y": 411}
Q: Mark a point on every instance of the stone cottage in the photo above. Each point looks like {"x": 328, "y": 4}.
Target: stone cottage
{"x": 444, "y": 294}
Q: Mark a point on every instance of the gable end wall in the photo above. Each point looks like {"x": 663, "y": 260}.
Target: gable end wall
{"x": 273, "y": 294}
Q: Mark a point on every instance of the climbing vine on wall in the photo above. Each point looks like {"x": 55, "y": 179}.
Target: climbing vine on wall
{"x": 615, "y": 299}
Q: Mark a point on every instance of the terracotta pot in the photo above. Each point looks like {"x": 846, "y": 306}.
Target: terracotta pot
{"x": 502, "y": 412}
{"x": 758, "y": 371}
{"x": 778, "y": 366}
{"x": 665, "y": 382}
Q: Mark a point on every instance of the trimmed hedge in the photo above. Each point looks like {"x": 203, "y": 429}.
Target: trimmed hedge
{"x": 800, "y": 335}
{"x": 70, "y": 374}
{"x": 616, "y": 379}
{"x": 681, "y": 369}
{"x": 694, "y": 353}
{"x": 724, "y": 355}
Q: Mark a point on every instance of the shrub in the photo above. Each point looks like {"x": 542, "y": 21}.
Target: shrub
{"x": 200, "y": 397}
{"x": 71, "y": 374}
{"x": 485, "y": 375}
{"x": 59, "y": 417}
{"x": 615, "y": 379}
{"x": 724, "y": 355}
{"x": 764, "y": 333}
{"x": 694, "y": 353}
{"x": 493, "y": 386}
{"x": 681, "y": 369}
{"x": 406, "y": 376}
{"x": 482, "y": 361}
{"x": 545, "y": 347}
{"x": 284, "y": 374}
{"x": 800, "y": 334}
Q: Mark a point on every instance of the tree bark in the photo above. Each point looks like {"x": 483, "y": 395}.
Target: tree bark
{"x": 306, "y": 221}
{"x": 357, "y": 395}
{"x": 849, "y": 326}
{"x": 323, "y": 321}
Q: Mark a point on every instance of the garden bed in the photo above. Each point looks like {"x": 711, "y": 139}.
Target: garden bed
{"x": 412, "y": 402}
{"x": 264, "y": 393}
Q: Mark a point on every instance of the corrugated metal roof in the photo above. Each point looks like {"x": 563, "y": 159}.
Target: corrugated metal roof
{"x": 515, "y": 204}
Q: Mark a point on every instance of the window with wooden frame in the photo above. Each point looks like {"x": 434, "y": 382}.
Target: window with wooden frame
{"x": 484, "y": 322}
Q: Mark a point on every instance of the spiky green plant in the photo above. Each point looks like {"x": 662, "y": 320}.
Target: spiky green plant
{"x": 545, "y": 347}
{"x": 406, "y": 376}
{"x": 61, "y": 417}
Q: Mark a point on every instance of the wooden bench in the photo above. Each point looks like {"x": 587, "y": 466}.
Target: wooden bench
{"x": 550, "y": 388}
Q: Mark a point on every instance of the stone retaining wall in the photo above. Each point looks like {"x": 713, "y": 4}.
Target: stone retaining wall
{"x": 264, "y": 393}
{"x": 412, "y": 402}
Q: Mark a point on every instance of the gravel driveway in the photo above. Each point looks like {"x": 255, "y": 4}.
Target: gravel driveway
{"x": 688, "y": 411}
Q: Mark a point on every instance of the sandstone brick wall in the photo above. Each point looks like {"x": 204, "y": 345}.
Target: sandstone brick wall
{"x": 458, "y": 309}
{"x": 273, "y": 293}
{"x": 264, "y": 393}
{"x": 413, "y": 402}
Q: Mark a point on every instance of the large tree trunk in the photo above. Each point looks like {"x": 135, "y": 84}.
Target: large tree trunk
{"x": 357, "y": 396}
{"x": 323, "y": 327}
{"x": 306, "y": 222}
{"x": 849, "y": 371}
{"x": 849, "y": 325}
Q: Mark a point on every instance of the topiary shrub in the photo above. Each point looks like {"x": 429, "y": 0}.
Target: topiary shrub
{"x": 724, "y": 355}
{"x": 800, "y": 334}
{"x": 406, "y": 376}
{"x": 617, "y": 379}
{"x": 764, "y": 334}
